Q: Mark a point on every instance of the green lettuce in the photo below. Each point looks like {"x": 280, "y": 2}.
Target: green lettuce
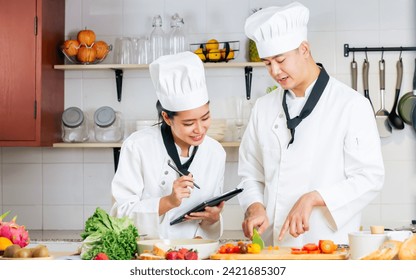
{"x": 116, "y": 237}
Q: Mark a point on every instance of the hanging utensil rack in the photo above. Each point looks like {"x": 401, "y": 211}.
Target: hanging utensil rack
{"x": 347, "y": 49}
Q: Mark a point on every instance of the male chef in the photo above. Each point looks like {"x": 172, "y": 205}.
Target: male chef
{"x": 310, "y": 159}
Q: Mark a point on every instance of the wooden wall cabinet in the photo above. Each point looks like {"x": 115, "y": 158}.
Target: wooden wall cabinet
{"x": 31, "y": 90}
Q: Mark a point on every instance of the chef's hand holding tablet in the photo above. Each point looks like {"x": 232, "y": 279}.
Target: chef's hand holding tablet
{"x": 209, "y": 216}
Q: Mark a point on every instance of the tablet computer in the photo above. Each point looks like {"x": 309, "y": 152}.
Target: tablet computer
{"x": 211, "y": 202}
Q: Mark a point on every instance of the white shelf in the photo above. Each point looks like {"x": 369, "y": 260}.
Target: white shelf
{"x": 117, "y": 145}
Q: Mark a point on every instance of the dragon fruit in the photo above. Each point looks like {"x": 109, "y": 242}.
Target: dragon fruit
{"x": 17, "y": 234}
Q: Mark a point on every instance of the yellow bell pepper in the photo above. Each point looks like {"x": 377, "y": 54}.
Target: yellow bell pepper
{"x": 253, "y": 248}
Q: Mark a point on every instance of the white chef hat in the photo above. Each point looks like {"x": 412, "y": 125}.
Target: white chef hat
{"x": 277, "y": 30}
{"x": 179, "y": 81}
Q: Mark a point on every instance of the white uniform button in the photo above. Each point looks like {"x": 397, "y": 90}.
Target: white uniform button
{"x": 166, "y": 172}
{"x": 280, "y": 115}
{"x": 163, "y": 182}
{"x": 276, "y": 126}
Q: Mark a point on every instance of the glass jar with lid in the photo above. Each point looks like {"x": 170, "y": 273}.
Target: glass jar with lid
{"x": 108, "y": 125}
{"x": 74, "y": 125}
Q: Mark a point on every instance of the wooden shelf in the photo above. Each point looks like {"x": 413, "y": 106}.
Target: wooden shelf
{"x": 117, "y": 145}
{"x": 87, "y": 145}
{"x": 146, "y": 66}
{"x": 119, "y": 68}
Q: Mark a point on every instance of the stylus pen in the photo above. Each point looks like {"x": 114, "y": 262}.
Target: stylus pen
{"x": 180, "y": 173}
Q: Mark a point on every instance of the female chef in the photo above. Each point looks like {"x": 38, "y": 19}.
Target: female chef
{"x": 310, "y": 158}
{"x": 145, "y": 188}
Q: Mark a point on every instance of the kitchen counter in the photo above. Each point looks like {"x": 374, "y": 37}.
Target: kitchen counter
{"x": 38, "y": 236}
{"x": 64, "y": 243}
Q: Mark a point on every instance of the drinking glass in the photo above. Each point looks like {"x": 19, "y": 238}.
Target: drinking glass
{"x": 144, "y": 50}
{"x": 123, "y": 53}
{"x": 135, "y": 43}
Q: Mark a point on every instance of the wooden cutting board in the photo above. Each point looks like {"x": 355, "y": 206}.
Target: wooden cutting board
{"x": 282, "y": 254}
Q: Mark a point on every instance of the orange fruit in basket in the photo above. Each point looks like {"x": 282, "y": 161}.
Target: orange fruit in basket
{"x": 86, "y": 37}
{"x": 212, "y": 45}
{"x": 229, "y": 56}
{"x": 101, "y": 49}
{"x": 214, "y": 55}
{"x": 86, "y": 54}
{"x": 4, "y": 243}
{"x": 199, "y": 52}
{"x": 71, "y": 47}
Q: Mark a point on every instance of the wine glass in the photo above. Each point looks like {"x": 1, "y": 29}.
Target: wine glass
{"x": 239, "y": 120}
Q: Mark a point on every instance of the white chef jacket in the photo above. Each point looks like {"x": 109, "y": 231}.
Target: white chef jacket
{"x": 143, "y": 176}
{"x": 336, "y": 151}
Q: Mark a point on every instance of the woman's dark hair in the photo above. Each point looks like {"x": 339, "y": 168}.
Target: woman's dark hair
{"x": 160, "y": 109}
{"x": 170, "y": 114}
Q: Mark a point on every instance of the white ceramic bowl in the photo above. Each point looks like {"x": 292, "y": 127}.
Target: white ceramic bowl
{"x": 363, "y": 243}
{"x": 205, "y": 247}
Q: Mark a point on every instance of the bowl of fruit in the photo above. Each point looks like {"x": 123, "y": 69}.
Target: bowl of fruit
{"x": 85, "y": 49}
{"x": 162, "y": 248}
{"x": 215, "y": 51}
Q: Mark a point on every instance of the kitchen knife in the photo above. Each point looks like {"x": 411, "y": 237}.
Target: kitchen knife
{"x": 256, "y": 239}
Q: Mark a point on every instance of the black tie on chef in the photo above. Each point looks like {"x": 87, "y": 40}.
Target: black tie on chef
{"x": 313, "y": 99}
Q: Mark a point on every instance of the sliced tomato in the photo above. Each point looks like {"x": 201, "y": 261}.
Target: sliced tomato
{"x": 310, "y": 247}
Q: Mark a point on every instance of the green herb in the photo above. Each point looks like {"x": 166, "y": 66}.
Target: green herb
{"x": 116, "y": 237}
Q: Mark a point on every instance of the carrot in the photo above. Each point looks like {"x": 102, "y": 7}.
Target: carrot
{"x": 327, "y": 246}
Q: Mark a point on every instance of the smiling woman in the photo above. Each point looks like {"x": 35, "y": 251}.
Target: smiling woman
{"x": 144, "y": 187}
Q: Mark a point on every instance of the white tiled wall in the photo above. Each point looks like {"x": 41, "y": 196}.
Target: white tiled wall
{"x": 53, "y": 188}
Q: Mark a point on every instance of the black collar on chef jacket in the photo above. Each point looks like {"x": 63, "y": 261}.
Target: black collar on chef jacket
{"x": 313, "y": 99}
{"x": 173, "y": 152}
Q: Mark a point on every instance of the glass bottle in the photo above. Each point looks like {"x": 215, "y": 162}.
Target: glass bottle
{"x": 177, "y": 36}
{"x": 157, "y": 38}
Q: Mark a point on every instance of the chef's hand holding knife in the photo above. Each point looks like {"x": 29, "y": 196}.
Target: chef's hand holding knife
{"x": 296, "y": 223}
{"x": 255, "y": 217}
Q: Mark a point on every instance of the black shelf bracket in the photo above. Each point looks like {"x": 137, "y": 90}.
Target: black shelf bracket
{"x": 248, "y": 71}
{"x": 116, "y": 156}
{"x": 347, "y": 49}
{"x": 119, "y": 82}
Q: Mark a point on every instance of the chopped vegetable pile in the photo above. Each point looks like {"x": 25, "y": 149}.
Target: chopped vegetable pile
{"x": 115, "y": 237}
{"x": 240, "y": 248}
{"x": 323, "y": 247}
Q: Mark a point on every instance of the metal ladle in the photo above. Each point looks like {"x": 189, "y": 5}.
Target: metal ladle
{"x": 394, "y": 118}
{"x": 384, "y": 128}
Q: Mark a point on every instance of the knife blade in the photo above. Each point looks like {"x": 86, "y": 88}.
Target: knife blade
{"x": 256, "y": 239}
